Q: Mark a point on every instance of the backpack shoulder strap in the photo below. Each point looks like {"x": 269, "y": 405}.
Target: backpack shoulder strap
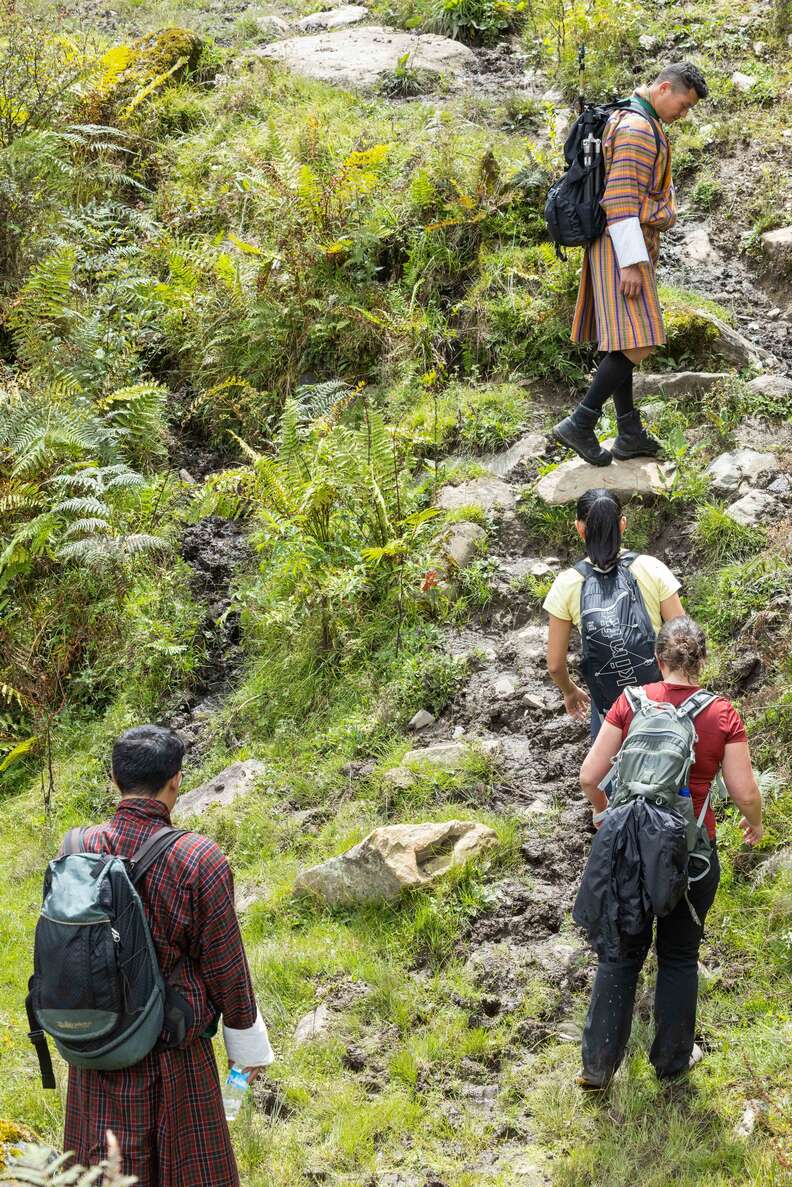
{"x": 637, "y": 699}
{"x": 652, "y": 122}
{"x": 150, "y": 850}
{"x": 627, "y": 559}
{"x": 700, "y": 700}
{"x": 585, "y": 568}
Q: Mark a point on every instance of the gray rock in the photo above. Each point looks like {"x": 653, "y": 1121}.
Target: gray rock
{"x": 742, "y": 82}
{"x": 355, "y": 58}
{"x": 698, "y": 246}
{"x": 780, "y": 485}
{"x": 231, "y": 783}
{"x": 531, "y": 445}
{"x": 448, "y": 756}
{"x": 778, "y": 248}
{"x": 314, "y": 1025}
{"x": 677, "y": 383}
{"x": 776, "y": 386}
{"x": 737, "y": 466}
{"x": 460, "y": 543}
{"x": 394, "y": 858}
{"x": 491, "y": 494}
{"x": 754, "y": 1112}
{"x": 568, "y": 481}
{"x": 421, "y": 720}
{"x": 337, "y": 18}
{"x": 272, "y": 26}
{"x": 734, "y": 348}
{"x": 505, "y": 686}
{"x": 541, "y": 569}
{"x": 186, "y": 477}
{"x": 754, "y": 507}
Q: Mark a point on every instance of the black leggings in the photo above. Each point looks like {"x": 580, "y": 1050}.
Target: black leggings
{"x": 610, "y": 1014}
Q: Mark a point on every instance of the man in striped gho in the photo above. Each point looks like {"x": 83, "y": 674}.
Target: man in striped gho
{"x": 617, "y": 303}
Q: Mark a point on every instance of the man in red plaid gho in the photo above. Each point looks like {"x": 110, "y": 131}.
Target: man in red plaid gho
{"x": 167, "y": 1110}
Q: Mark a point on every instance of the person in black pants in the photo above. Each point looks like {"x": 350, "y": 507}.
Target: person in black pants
{"x": 722, "y": 744}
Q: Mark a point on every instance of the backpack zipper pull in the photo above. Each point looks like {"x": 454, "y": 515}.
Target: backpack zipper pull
{"x": 116, "y": 935}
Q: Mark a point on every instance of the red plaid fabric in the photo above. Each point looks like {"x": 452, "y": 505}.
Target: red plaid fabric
{"x": 167, "y": 1110}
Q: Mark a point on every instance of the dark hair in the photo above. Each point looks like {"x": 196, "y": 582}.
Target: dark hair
{"x": 682, "y": 645}
{"x": 684, "y": 76}
{"x": 145, "y": 758}
{"x": 601, "y": 510}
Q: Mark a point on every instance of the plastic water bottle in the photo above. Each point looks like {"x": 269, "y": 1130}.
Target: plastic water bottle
{"x": 234, "y": 1090}
{"x": 684, "y": 791}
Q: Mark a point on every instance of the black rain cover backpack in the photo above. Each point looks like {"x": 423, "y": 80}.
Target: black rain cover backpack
{"x": 97, "y": 988}
{"x": 616, "y": 632}
{"x": 572, "y": 212}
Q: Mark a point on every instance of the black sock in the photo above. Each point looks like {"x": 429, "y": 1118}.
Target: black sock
{"x": 623, "y": 397}
{"x": 613, "y": 373}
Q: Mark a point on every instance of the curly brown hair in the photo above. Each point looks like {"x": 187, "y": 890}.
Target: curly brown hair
{"x": 682, "y": 646}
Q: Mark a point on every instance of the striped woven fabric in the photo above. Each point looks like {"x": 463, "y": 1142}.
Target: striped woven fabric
{"x": 638, "y": 186}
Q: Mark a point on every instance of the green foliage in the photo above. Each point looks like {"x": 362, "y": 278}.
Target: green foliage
{"x": 725, "y": 600}
{"x": 427, "y": 679}
{"x": 406, "y": 81}
{"x": 517, "y": 314}
{"x": 478, "y": 22}
{"x": 552, "y": 529}
{"x": 721, "y": 538}
{"x": 707, "y": 192}
{"x": 479, "y": 418}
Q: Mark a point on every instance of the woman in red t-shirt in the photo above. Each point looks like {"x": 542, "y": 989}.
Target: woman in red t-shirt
{"x": 722, "y": 743}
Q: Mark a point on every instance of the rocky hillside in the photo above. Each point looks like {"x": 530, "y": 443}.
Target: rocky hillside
{"x": 281, "y": 342}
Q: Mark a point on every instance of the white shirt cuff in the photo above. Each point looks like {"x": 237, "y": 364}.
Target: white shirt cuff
{"x": 250, "y": 1047}
{"x": 628, "y": 241}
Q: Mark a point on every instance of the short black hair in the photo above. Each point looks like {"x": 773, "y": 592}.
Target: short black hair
{"x": 684, "y": 76}
{"x": 145, "y": 758}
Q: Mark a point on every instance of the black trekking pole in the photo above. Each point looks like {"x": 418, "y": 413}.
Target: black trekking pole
{"x": 581, "y": 61}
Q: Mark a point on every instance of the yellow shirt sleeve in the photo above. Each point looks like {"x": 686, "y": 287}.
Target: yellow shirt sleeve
{"x": 656, "y": 583}
{"x": 563, "y": 600}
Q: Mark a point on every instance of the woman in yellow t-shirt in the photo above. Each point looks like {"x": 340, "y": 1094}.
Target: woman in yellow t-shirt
{"x": 601, "y": 523}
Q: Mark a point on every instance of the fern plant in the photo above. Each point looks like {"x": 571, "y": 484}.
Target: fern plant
{"x": 41, "y": 1167}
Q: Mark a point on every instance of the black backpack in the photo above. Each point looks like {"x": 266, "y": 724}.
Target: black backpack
{"x": 616, "y": 632}
{"x": 573, "y": 213}
{"x": 97, "y": 988}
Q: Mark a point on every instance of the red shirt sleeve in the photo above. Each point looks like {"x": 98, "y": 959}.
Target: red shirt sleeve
{"x": 620, "y": 713}
{"x": 731, "y": 724}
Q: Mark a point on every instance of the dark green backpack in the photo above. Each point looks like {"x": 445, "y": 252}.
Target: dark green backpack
{"x": 97, "y": 988}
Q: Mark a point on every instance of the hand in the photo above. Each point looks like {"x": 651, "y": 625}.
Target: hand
{"x": 250, "y": 1072}
{"x": 752, "y": 833}
{"x": 631, "y": 281}
{"x": 577, "y": 703}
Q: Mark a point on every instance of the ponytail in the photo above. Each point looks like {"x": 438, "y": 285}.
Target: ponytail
{"x": 601, "y": 511}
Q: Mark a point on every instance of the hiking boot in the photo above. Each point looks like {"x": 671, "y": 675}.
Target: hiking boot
{"x": 589, "y": 1085}
{"x": 577, "y": 433}
{"x": 696, "y": 1056}
{"x": 633, "y": 439}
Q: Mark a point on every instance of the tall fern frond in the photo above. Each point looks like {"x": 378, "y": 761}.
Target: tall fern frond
{"x": 40, "y": 1167}
{"x": 43, "y": 307}
{"x": 139, "y": 412}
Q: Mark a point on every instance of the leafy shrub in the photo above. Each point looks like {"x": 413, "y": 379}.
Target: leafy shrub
{"x": 427, "y": 679}
{"x": 478, "y": 22}
{"x": 479, "y": 418}
{"x": 724, "y": 601}
{"x": 721, "y": 538}
{"x": 405, "y": 80}
{"x": 707, "y": 192}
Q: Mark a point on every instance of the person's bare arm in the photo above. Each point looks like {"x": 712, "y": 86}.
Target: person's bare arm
{"x": 597, "y": 763}
{"x": 671, "y": 608}
{"x": 576, "y": 700}
{"x": 741, "y": 785}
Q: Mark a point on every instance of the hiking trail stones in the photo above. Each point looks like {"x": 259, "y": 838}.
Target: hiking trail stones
{"x": 753, "y": 508}
{"x": 636, "y": 476}
{"x": 774, "y": 386}
{"x": 313, "y": 1025}
{"x": 356, "y": 58}
{"x": 460, "y": 543}
{"x": 394, "y": 858}
{"x": 729, "y": 471}
{"x": 445, "y": 756}
{"x": 493, "y": 495}
{"x": 777, "y": 247}
{"x": 223, "y": 789}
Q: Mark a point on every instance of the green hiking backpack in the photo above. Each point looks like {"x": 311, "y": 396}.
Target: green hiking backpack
{"x": 654, "y": 764}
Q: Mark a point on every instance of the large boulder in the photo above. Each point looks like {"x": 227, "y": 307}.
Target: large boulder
{"x": 356, "y": 58}
{"x": 223, "y": 789}
{"x": 728, "y": 471}
{"x": 491, "y": 494}
{"x": 735, "y": 348}
{"x": 755, "y": 507}
{"x": 568, "y": 481}
{"x": 778, "y": 249}
{"x": 394, "y": 858}
{"x": 677, "y": 383}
